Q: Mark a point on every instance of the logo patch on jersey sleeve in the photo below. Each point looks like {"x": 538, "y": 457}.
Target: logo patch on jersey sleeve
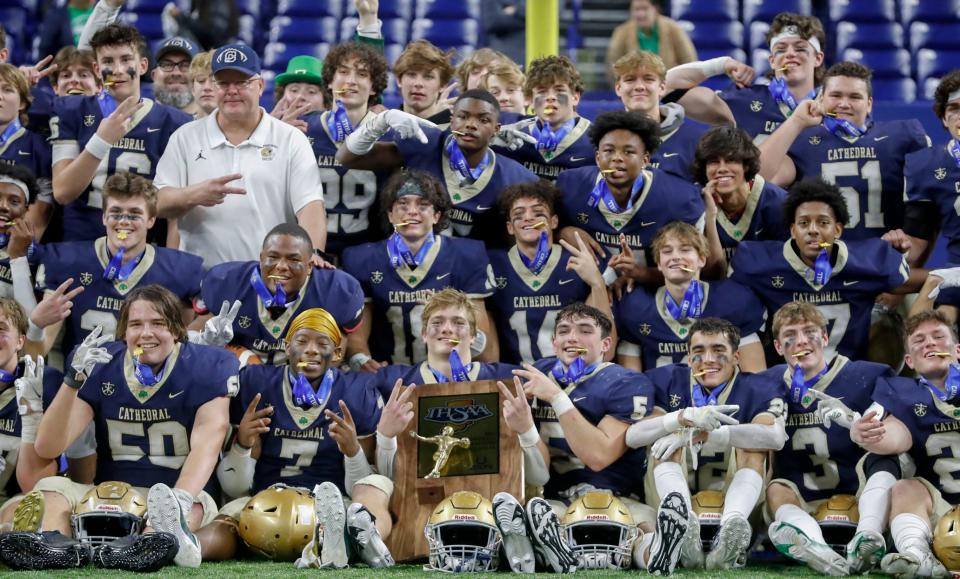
{"x": 756, "y": 106}
{"x": 86, "y": 278}
{"x": 920, "y": 409}
{"x": 777, "y": 281}
{"x": 108, "y": 389}
{"x": 940, "y": 173}
{"x": 376, "y": 276}
{"x": 244, "y": 322}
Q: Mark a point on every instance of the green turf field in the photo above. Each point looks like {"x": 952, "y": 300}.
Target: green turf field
{"x": 263, "y": 570}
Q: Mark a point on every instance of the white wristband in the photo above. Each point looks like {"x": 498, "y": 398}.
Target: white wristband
{"x": 609, "y": 275}
{"x": 34, "y": 332}
{"x": 671, "y": 422}
{"x": 714, "y": 66}
{"x": 529, "y": 438}
{"x": 358, "y": 360}
{"x": 240, "y": 451}
{"x": 386, "y": 442}
{"x": 97, "y": 147}
{"x": 561, "y": 403}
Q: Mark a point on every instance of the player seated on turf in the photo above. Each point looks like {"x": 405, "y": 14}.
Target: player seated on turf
{"x": 838, "y": 126}
{"x": 918, "y": 416}
{"x": 108, "y": 269}
{"x": 536, "y": 277}
{"x": 556, "y": 137}
{"x": 257, "y": 299}
{"x": 625, "y": 199}
{"x": 842, "y": 278}
{"x": 400, "y": 273}
{"x": 95, "y": 137}
{"x": 160, "y": 408}
{"x": 692, "y": 407}
{"x": 459, "y": 157}
{"x": 640, "y": 84}
{"x": 654, "y": 324}
{"x": 825, "y": 394}
{"x": 329, "y": 417}
{"x": 749, "y": 208}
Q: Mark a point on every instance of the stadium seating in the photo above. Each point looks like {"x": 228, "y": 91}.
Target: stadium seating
{"x": 446, "y": 33}
{"x": 395, "y": 31}
{"x": 277, "y": 54}
{"x": 937, "y": 35}
{"x": 766, "y": 10}
{"x": 885, "y": 62}
{"x": 309, "y": 8}
{"x": 303, "y": 30}
{"x": 862, "y": 10}
{"x": 139, "y": 6}
{"x": 758, "y": 36}
{"x": 148, "y": 23}
{"x": 705, "y": 10}
{"x": 868, "y": 35}
{"x": 714, "y": 35}
{"x": 930, "y": 11}
{"x": 935, "y": 63}
{"x": 894, "y": 90}
{"x": 448, "y": 9}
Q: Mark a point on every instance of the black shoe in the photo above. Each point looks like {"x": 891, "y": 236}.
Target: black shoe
{"x": 672, "y": 524}
{"x": 548, "y": 537}
{"x": 147, "y": 552}
{"x": 40, "y": 551}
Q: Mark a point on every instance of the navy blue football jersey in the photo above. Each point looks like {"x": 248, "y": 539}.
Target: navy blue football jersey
{"x": 143, "y": 432}
{"x": 863, "y": 270}
{"x": 822, "y": 461}
{"x": 10, "y": 420}
{"x": 933, "y": 177}
{"x": 677, "y": 148}
{"x": 421, "y": 374}
{"x": 99, "y": 303}
{"x": 755, "y": 110}
{"x": 761, "y": 220}
{"x": 349, "y": 195}
{"x": 298, "y": 450}
{"x": 756, "y": 394}
{"x": 397, "y": 295}
{"x": 474, "y": 206}
{"x": 609, "y": 390}
{"x": 75, "y": 121}
{"x": 934, "y": 426}
{"x": 28, "y": 149}
{"x": 868, "y": 170}
{"x": 574, "y": 150}
{"x": 643, "y": 320}
{"x": 525, "y": 305}
{"x": 262, "y": 332}
{"x": 663, "y": 198}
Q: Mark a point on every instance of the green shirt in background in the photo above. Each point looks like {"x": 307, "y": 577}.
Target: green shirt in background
{"x": 78, "y": 18}
{"x": 649, "y": 42}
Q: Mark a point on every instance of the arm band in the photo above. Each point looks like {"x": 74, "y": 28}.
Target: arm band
{"x": 917, "y": 220}
{"x": 357, "y": 467}
{"x": 709, "y": 68}
{"x": 97, "y": 147}
{"x": 23, "y": 285}
{"x": 386, "y": 451}
{"x": 649, "y": 430}
{"x": 756, "y": 436}
{"x": 235, "y": 471}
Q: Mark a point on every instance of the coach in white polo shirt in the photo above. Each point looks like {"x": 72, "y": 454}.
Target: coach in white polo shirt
{"x": 232, "y": 176}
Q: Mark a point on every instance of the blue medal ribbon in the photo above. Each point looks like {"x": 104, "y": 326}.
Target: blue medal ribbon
{"x": 303, "y": 394}
{"x": 119, "y": 271}
{"x": 843, "y": 127}
{"x": 692, "y": 305}
{"x": 458, "y": 371}
{"x": 145, "y": 374}
{"x": 799, "y": 386}
{"x": 703, "y": 398}
{"x": 954, "y": 150}
{"x": 107, "y": 103}
{"x": 547, "y": 139}
{"x": 269, "y": 300}
{"x": 11, "y": 130}
{"x": 822, "y": 268}
{"x": 577, "y": 370}
{"x": 601, "y": 192}
{"x": 951, "y": 385}
{"x": 7, "y": 377}
{"x": 399, "y": 252}
{"x": 339, "y": 123}
{"x": 458, "y": 162}
{"x": 536, "y": 264}
{"x": 781, "y": 93}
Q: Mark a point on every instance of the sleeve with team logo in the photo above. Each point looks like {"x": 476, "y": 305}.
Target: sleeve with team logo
{"x": 474, "y": 276}
{"x": 932, "y": 185}
{"x": 877, "y": 265}
{"x": 671, "y": 387}
{"x": 65, "y": 124}
{"x": 635, "y": 315}
{"x": 59, "y": 261}
{"x": 754, "y": 110}
{"x": 575, "y": 186}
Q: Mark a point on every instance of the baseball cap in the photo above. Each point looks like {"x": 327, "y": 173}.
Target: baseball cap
{"x": 239, "y": 57}
{"x": 176, "y": 44}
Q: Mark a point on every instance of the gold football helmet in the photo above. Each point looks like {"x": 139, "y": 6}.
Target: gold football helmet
{"x": 109, "y": 511}
{"x": 278, "y": 522}
{"x": 708, "y": 506}
{"x": 601, "y": 531}
{"x": 838, "y": 517}
{"x": 462, "y": 534}
{"x": 946, "y": 540}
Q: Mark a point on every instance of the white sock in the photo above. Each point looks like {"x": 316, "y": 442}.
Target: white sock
{"x": 911, "y": 534}
{"x": 742, "y": 494}
{"x": 874, "y": 502}
{"x": 799, "y": 518}
{"x": 641, "y": 553}
{"x": 668, "y": 478}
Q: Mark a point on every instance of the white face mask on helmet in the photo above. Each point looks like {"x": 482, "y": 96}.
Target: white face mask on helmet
{"x": 601, "y": 531}
{"x": 463, "y": 535}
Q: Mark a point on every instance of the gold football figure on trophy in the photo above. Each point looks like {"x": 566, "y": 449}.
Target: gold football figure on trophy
{"x": 445, "y": 442}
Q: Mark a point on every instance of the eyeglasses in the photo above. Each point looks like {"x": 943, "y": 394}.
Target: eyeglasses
{"x": 169, "y": 65}
{"x": 118, "y": 217}
{"x": 238, "y": 84}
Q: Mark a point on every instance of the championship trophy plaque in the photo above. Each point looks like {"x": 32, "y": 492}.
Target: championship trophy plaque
{"x": 457, "y": 440}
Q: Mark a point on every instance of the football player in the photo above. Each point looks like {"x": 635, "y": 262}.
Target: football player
{"x": 699, "y": 399}
{"x": 843, "y": 279}
{"x": 640, "y": 84}
{"x": 423, "y": 74}
{"x": 750, "y": 208}
{"x": 160, "y": 409}
{"x": 18, "y": 188}
{"x": 110, "y": 267}
{"x": 303, "y": 424}
{"x": 825, "y": 394}
{"x": 626, "y": 200}
{"x": 556, "y": 137}
{"x": 399, "y": 274}
{"x": 95, "y": 137}
{"x": 834, "y": 139}
{"x": 357, "y": 75}
{"x": 654, "y": 324}
{"x": 536, "y": 277}
{"x": 460, "y": 158}
{"x": 918, "y": 416}
{"x": 270, "y": 292}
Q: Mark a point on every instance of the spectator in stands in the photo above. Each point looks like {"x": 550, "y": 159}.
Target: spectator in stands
{"x": 474, "y": 68}
{"x": 505, "y": 82}
{"x": 649, "y": 30}
{"x": 75, "y": 74}
{"x": 301, "y": 83}
{"x": 212, "y": 23}
{"x": 202, "y": 85}
{"x": 62, "y": 25}
{"x": 423, "y": 72}
{"x": 232, "y": 176}
{"x": 505, "y": 22}
{"x": 171, "y": 82}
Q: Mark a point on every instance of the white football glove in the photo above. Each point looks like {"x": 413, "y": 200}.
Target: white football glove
{"x": 664, "y": 447}
{"x": 833, "y": 411}
{"x": 708, "y": 418}
{"x": 218, "y": 331}
{"x": 407, "y": 126}
{"x": 91, "y": 352}
{"x": 512, "y": 139}
{"x": 950, "y": 277}
{"x": 29, "y": 387}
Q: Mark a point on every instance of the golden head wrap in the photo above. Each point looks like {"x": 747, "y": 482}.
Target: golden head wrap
{"x": 317, "y": 319}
